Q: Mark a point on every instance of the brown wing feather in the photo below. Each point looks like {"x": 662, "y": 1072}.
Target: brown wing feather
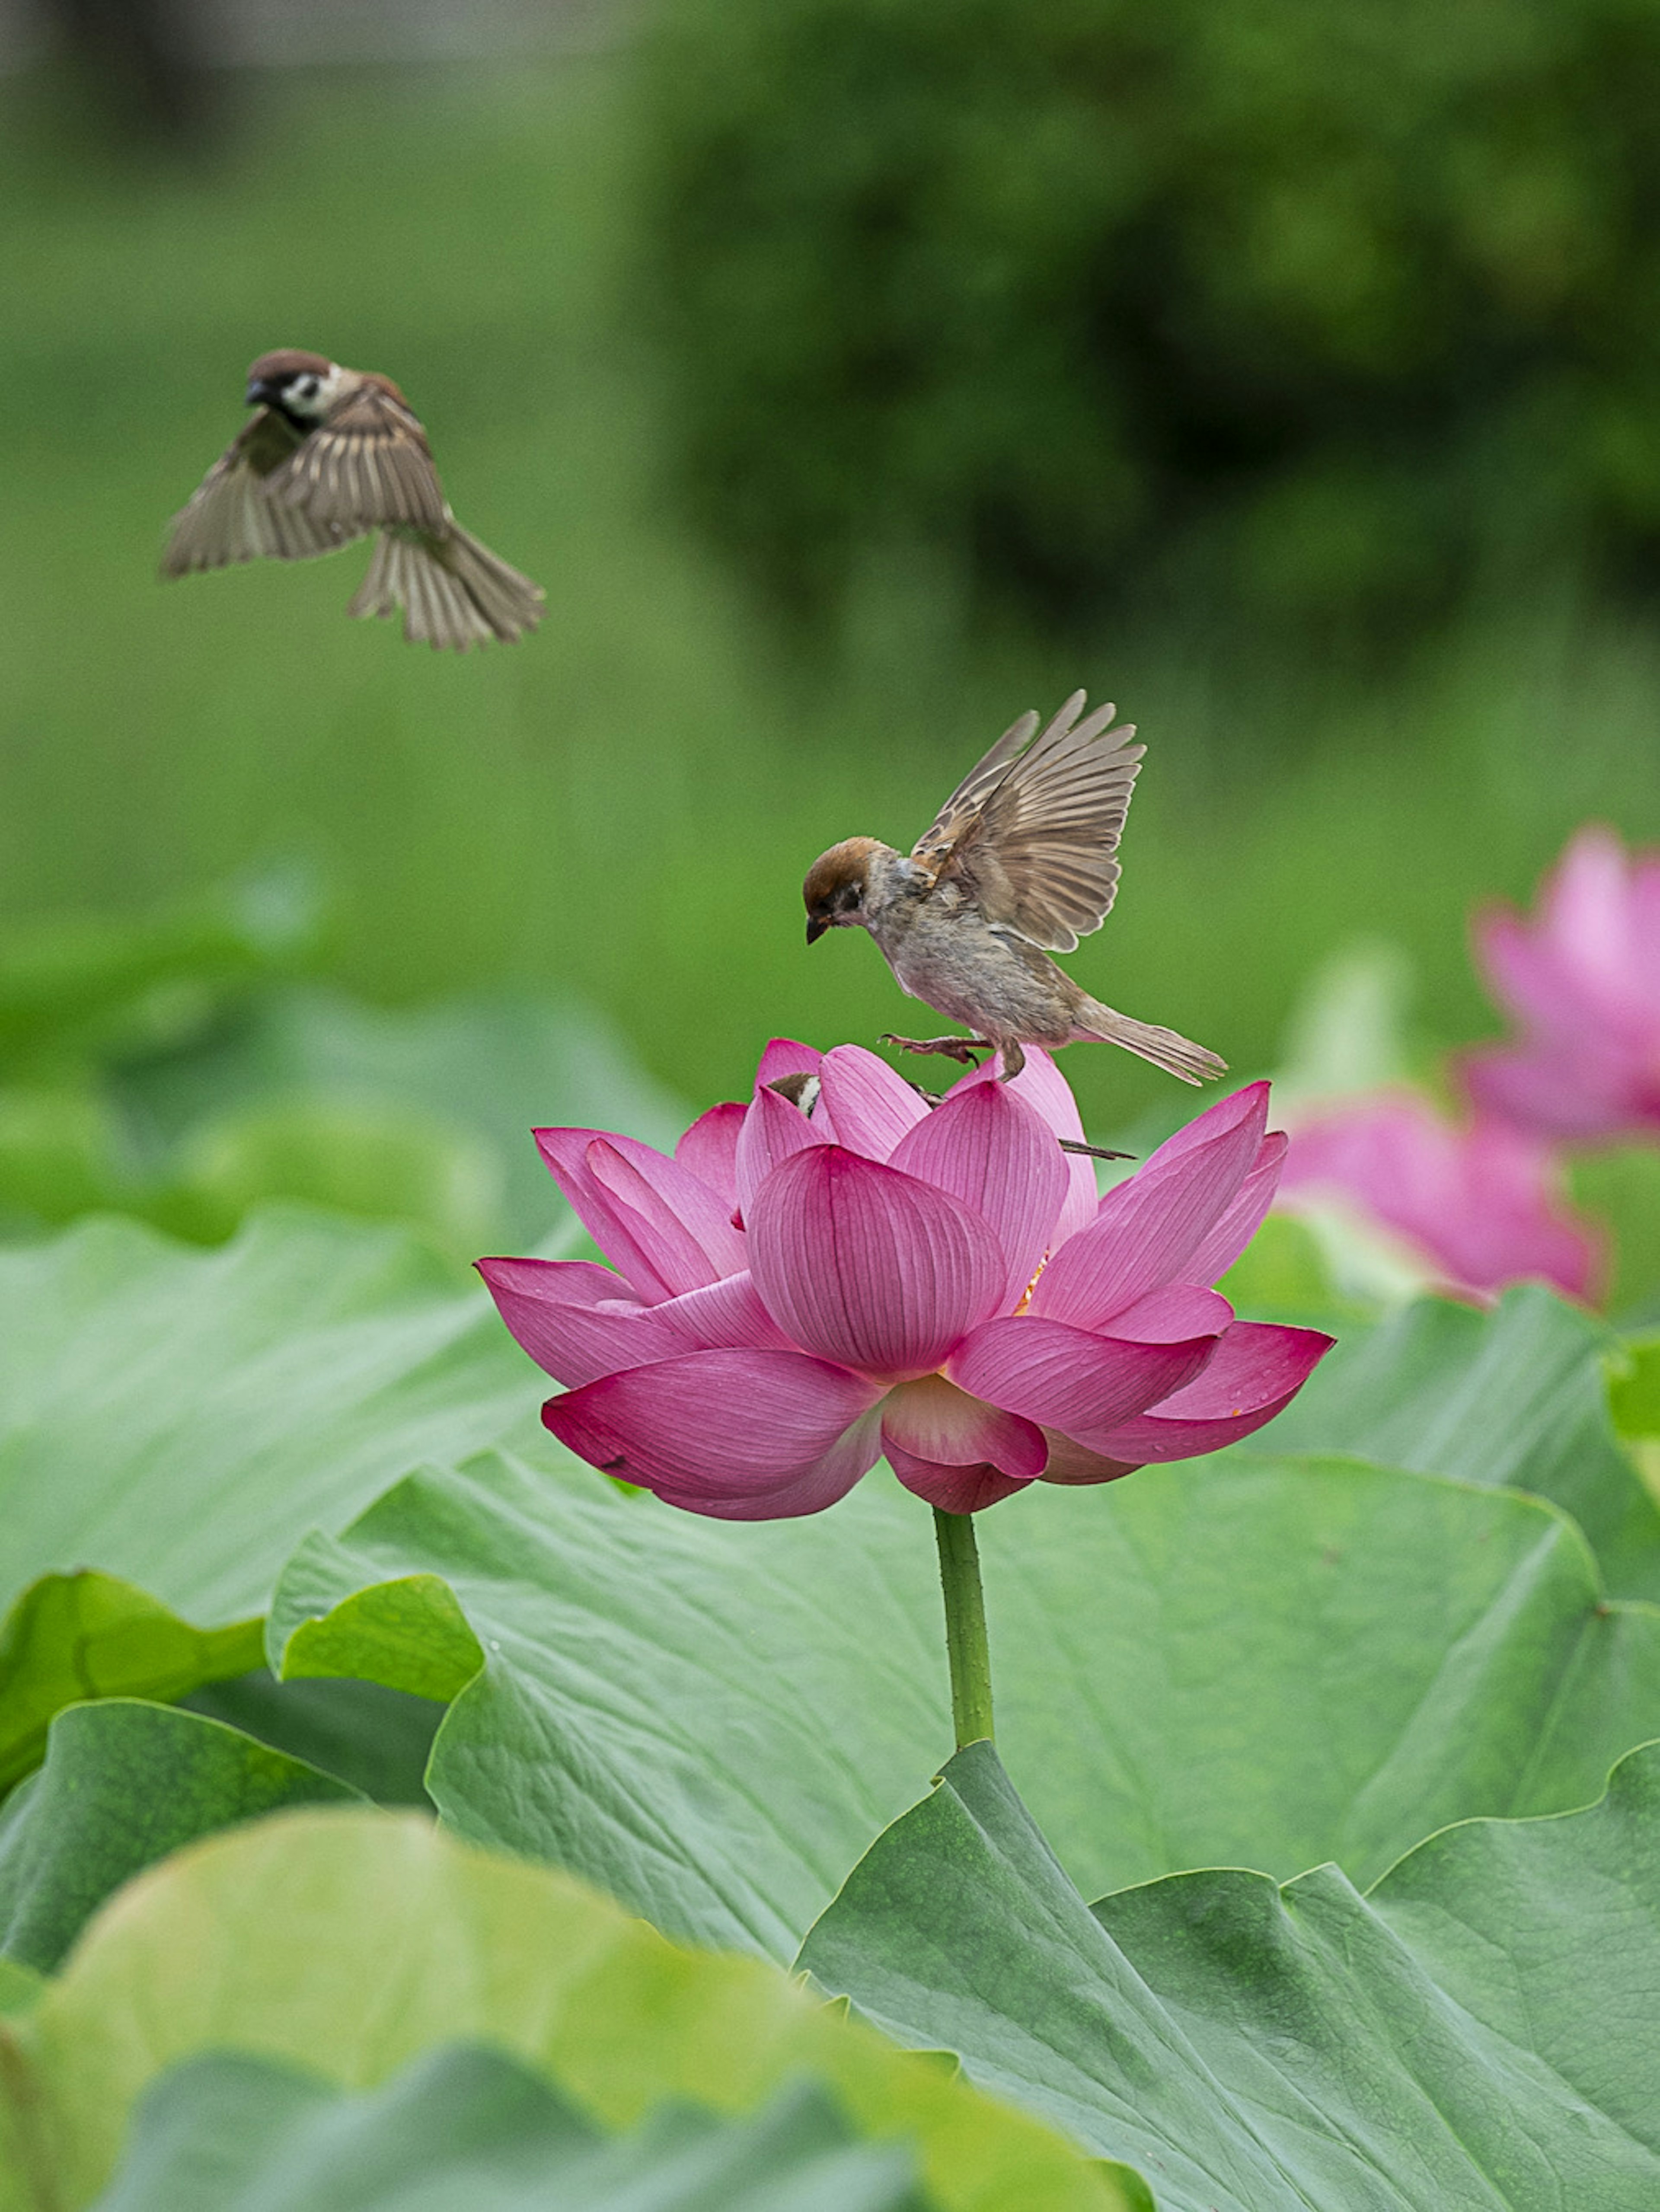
{"x": 367, "y": 462}
{"x": 1032, "y": 832}
{"x": 231, "y": 516}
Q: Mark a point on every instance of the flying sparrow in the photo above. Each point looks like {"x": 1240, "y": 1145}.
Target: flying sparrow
{"x": 1020, "y": 861}
{"x": 333, "y": 453}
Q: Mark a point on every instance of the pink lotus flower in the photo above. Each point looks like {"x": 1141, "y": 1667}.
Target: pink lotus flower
{"x": 1479, "y": 1204}
{"x": 1583, "y": 980}
{"x": 799, "y": 1293}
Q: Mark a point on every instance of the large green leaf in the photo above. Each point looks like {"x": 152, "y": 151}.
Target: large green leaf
{"x": 1516, "y": 1397}
{"x": 377, "y": 1740}
{"x": 471, "y": 2127}
{"x": 88, "y": 984}
{"x": 350, "y": 1941}
{"x": 489, "y": 1071}
{"x": 1233, "y": 1662}
{"x": 1479, "y": 2032}
{"x": 177, "y": 1419}
{"x": 89, "y": 1635}
{"x": 1635, "y": 1403}
{"x": 378, "y": 1160}
{"x": 123, "y": 1784}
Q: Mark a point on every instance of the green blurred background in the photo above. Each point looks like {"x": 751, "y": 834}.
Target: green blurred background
{"x": 853, "y": 374}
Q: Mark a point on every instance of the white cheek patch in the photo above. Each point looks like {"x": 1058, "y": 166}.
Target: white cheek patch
{"x": 312, "y": 397}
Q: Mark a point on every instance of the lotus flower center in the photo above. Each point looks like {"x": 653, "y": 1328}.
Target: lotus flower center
{"x": 1025, "y": 1296}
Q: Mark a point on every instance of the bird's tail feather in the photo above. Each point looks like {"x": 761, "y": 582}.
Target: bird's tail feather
{"x": 454, "y": 591}
{"x": 1177, "y": 1055}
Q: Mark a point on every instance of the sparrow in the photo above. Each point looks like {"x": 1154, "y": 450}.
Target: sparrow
{"x": 332, "y": 454}
{"x": 1020, "y": 861}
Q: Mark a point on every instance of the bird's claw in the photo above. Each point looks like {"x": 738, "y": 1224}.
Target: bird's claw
{"x": 963, "y": 1049}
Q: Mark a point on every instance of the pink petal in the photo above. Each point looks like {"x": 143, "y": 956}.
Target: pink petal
{"x": 678, "y": 1224}
{"x": 1179, "y": 1311}
{"x": 1069, "y": 1379}
{"x": 1587, "y": 912}
{"x": 574, "y": 1318}
{"x": 827, "y": 1480}
{"x": 717, "y": 1428}
{"x": 867, "y": 1267}
{"x": 870, "y": 1105}
{"x": 1574, "y": 1090}
{"x": 773, "y": 1130}
{"x": 1146, "y": 1231}
{"x": 727, "y": 1315}
{"x": 709, "y": 1149}
{"x": 1224, "y": 1245}
{"x": 984, "y": 1146}
{"x": 1072, "y": 1464}
{"x": 1523, "y": 974}
{"x": 580, "y": 1321}
{"x": 933, "y": 1422}
{"x": 952, "y": 1489}
{"x": 1258, "y": 1369}
{"x": 1481, "y": 1203}
{"x": 1582, "y": 977}
{"x": 1240, "y": 1109}
{"x": 665, "y": 1228}
{"x": 1041, "y": 1086}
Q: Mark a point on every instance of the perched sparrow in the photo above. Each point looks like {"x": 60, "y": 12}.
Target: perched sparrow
{"x": 333, "y": 453}
{"x": 1021, "y": 858}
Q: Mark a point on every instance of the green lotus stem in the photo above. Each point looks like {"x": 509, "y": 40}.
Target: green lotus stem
{"x": 966, "y": 1647}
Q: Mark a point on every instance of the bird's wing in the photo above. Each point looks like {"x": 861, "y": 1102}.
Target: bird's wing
{"x": 231, "y": 515}
{"x": 367, "y": 462}
{"x": 1032, "y": 830}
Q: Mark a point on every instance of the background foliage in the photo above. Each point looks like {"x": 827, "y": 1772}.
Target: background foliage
{"x": 622, "y": 811}
{"x": 1288, "y": 372}
{"x": 1336, "y": 307}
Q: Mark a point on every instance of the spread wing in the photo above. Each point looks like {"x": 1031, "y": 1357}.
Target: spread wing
{"x": 231, "y": 516}
{"x": 367, "y": 462}
{"x": 1032, "y": 830}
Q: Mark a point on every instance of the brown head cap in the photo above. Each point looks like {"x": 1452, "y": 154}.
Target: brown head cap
{"x": 834, "y": 889}
{"x": 288, "y": 360}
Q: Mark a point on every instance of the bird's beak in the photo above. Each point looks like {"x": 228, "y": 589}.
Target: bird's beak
{"x": 815, "y": 929}
{"x": 258, "y": 393}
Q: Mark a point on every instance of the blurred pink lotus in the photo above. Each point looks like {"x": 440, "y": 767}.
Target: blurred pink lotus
{"x": 1582, "y": 980}
{"x": 798, "y": 1292}
{"x": 1480, "y": 1204}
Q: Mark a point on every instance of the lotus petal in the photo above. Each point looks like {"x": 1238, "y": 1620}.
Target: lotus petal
{"x": 773, "y": 1130}
{"x": 1218, "y": 1251}
{"x": 869, "y": 1267}
{"x": 709, "y": 1149}
{"x": 580, "y": 1321}
{"x": 1257, "y": 1370}
{"x": 660, "y": 1224}
{"x": 987, "y": 1149}
{"x": 870, "y": 1105}
{"x": 1070, "y": 1379}
{"x": 1041, "y": 1086}
{"x": 1148, "y": 1229}
{"x": 715, "y": 1428}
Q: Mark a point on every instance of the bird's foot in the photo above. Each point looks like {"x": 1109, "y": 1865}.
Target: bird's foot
{"x": 1014, "y": 1059}
{"x": 949, "y": 1048}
